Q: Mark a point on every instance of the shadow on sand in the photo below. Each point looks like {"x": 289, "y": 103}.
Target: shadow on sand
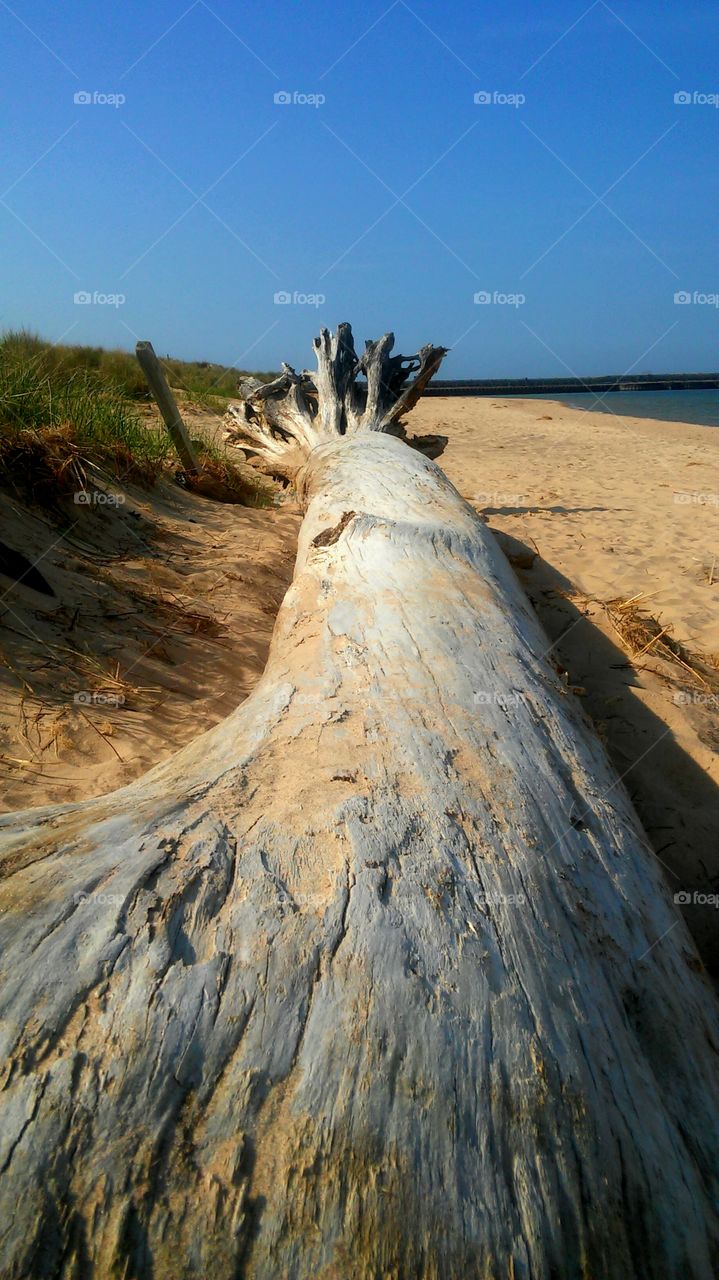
{"x": 676, "y": 800}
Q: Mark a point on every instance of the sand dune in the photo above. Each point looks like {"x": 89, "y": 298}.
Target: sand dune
{"x": 160, "y": 624}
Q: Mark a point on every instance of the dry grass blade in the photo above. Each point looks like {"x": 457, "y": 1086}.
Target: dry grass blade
{"x": 98, "y": 680}
{"x": 24, "y": 684}
{"x": 640, "y": 632}
{"x": 102, "y": 735}
{"x": 174, "y": 613}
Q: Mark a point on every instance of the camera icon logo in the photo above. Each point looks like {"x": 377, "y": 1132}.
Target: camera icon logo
{"x": 682, "y": 298}
{"x": 683, "y": 898}
{"x": 83, "y": 298}
{"x": 483, "y": 97}
{"x": 482, "y": 298}
{"x": 282, "y": 98}
{"x": 82, "y": 97}
{"x": 282, "y": 297}
{"x": 682, "y": 98}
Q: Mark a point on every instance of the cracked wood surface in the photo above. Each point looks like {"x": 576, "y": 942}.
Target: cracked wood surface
{"x": 376, "y": 978}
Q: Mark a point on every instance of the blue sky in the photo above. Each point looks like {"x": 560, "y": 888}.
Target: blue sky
{"x": 580, "y": 211}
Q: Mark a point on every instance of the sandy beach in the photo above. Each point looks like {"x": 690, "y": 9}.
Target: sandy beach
{"x": 164, "y": 607}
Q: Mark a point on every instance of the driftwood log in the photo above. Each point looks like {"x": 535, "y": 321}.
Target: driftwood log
{"x": 377, "y": 978}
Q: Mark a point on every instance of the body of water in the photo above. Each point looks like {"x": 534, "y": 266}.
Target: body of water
{"x": 700, "y": 407}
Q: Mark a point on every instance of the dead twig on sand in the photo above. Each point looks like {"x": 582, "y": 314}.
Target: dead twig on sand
{"x": 641, "y": 633}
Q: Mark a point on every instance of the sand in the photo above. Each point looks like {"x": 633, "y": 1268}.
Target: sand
{"x": 160, "y": 626}
{"x": 168, "y": 602}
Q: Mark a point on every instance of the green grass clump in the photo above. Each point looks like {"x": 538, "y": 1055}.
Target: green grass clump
{"x": 48, "y": 406}
{"x": 205, "y": 380}
{"x": 211, "y": 385}
{"x": 69, "y": 412}
{"x": 117, "y": 368}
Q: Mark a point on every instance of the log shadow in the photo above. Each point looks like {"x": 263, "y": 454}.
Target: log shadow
{"x": 676, "y": 799}
{"x": 541, "y": 510}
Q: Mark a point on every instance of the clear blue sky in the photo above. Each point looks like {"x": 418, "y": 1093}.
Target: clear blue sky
{"x": 397, "y": 199}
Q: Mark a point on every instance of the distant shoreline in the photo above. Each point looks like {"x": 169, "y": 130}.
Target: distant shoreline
{"x": 551, "y": 386}
{"x": 691, "y": 406}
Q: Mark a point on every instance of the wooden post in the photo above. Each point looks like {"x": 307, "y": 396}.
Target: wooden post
{"x": 157, "y": 381}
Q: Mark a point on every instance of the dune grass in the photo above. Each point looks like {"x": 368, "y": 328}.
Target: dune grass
{"x": 202, "y": 379}
{"x": 65, "y": 414}
{"x": 54, "y": 412}
{"x": 117, "y": 369}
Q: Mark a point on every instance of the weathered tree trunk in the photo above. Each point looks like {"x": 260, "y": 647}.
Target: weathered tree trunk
{"x": 377, "y": 978}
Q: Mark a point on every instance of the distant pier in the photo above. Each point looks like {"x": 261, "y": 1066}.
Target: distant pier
{"x": 561, "y": 386}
